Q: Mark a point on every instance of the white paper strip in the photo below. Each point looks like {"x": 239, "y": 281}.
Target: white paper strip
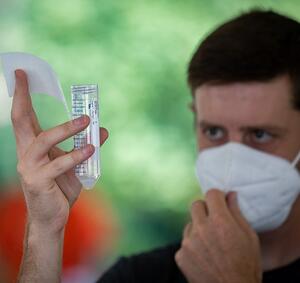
{"x": 41, "y": 77}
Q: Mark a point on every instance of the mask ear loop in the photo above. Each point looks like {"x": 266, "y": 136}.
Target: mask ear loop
{"x": 296, "y": 160}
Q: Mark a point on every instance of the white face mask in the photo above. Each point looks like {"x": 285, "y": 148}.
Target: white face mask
{"x": 266, "y": 185}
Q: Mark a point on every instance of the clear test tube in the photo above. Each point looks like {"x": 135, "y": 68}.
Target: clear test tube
{"x": 85, "y": 102}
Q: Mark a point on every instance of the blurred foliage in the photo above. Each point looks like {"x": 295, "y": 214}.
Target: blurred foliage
{"x": 137, "y": 51}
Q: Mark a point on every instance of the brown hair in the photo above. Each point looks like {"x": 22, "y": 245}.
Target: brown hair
{"x": 256, "y": 46}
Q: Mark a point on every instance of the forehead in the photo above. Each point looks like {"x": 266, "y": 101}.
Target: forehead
{"x": 246, "y": 103}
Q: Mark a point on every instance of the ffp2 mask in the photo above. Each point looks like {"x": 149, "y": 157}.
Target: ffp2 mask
{"x": 266, "y": 185}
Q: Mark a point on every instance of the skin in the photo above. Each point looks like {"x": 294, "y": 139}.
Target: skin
{"x": 49, "y": 184}
{"x": 240, "y": 112}
{"x": 259, "y": 115}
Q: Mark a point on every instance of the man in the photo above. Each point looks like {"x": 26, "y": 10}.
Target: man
{"x": 245, "y": 83}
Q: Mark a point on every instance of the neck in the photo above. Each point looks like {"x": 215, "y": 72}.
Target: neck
{"x": 281, "y": 246}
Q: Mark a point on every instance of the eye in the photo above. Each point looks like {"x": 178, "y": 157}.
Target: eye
{"x": 214, "y": 133}
{"x": 261, "y": 136}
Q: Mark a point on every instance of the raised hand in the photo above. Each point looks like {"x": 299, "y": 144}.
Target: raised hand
{"x": 46, "y": 172}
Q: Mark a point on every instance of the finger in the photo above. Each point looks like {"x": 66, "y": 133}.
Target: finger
{"x": 216, "y": 203}
{"x": 71, "y": 192}
{"x": 63, "y": 163}
{"x": 188, "y": 265}
{"x": 198, "y": 212}
{"x": 22, "y": 112}
{"x": 236, "y": 212}
{"x": 47, "y": 139}
{"x": 103, "y": 135}
{"x": 35, "y": 122}
{"x": 187, "y": 230}
{"x": 22, "y": 89}
{"x": 55, "y": 151}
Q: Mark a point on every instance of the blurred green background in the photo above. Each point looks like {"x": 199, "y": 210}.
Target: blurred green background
{"x": 137, "y": 51}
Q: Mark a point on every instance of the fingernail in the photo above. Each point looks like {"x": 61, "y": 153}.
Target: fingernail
{"x": 88, "y": 149}
{"x": 80, "y": 121}
{"x": 234, "y": 196}
{"x": 231, "y": 197}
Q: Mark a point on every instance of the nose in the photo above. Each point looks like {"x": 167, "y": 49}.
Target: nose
{"x": 236, "y": 137}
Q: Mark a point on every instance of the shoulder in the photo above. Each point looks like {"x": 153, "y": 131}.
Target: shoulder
{"x": 289, "y": 273}
{"x": 157, "y": 265}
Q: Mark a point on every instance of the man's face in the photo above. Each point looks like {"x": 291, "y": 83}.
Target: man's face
{"x": 257, "y": 114}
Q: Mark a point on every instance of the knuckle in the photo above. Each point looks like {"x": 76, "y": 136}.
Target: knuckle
{"x": 212, "y": 193}
{"x": 220, "y": 226}
{"x": 16, "y": 118}
{"x": 187, "y": 247}
{"x": 196, "y": 205}
{"x": 28, "y": 181}
{"x": 67, "y": 128}
{"x": 77, "y": 156}
{"x": 217, "y": 218}
{"x": 21, "y": 168}
{"x": 178, "y": 257}
{"x": 186, "y": 244}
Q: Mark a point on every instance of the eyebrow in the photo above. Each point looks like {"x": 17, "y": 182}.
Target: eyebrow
{"x": 205, "y": 124}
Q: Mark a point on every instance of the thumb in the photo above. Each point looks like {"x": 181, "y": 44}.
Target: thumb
{"x": 236, "y": 213}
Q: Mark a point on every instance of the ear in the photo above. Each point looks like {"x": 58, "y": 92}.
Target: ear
{"x": 192, "y": 106}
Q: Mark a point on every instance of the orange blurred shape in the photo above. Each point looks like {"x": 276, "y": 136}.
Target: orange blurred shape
{"x": 89, "y": 233}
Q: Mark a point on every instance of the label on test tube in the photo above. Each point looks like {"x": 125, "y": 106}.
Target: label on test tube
{"x": 85, "y": 102}
{"x": 94, "y": 108}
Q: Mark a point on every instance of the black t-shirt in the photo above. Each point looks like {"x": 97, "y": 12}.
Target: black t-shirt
{"x": 158, "y": 266}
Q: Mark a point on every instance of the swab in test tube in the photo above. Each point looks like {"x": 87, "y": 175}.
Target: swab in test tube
{"x": 85, "y": 102}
